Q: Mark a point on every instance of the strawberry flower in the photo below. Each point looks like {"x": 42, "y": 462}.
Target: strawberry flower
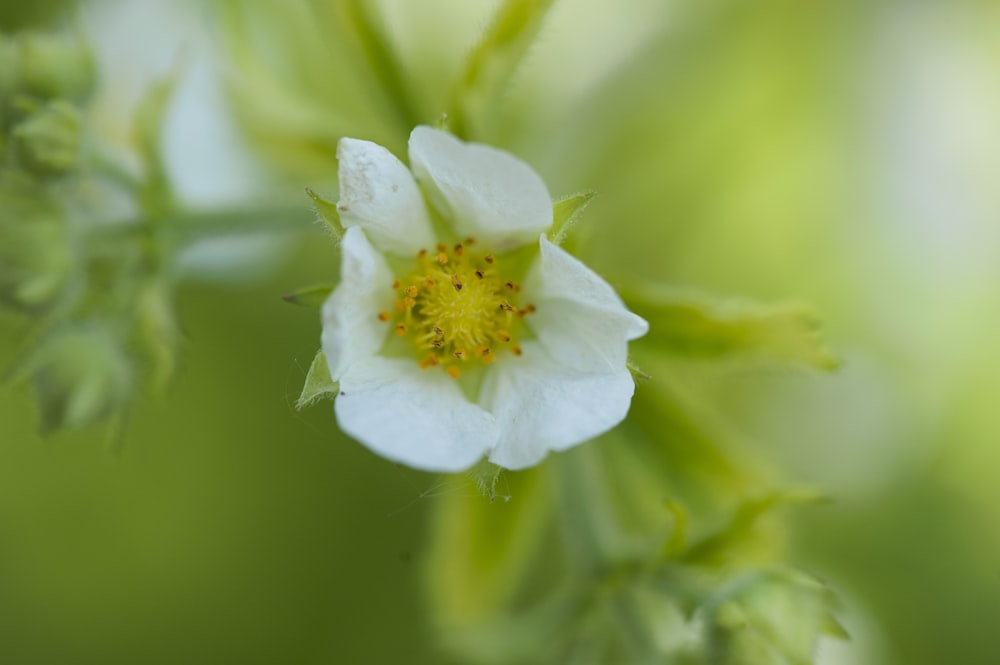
{"x": 458, "y": 329}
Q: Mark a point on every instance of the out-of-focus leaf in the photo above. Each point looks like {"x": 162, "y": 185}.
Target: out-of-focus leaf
{"x": 687, "y": 325}
{"x": 318, "y": 383}
{"x": 566, "y": 212}
{"x": 833, "y": 628}
{"x": 364, "y": 30}
{"x": 492, "y": 63}
{"x": 311, "y": 296}
{"x": 713, "y": 549}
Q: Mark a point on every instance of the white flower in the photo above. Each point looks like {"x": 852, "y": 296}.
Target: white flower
{"x": 444, "y": 354}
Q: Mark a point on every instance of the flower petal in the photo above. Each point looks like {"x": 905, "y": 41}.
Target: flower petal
{"x": 540, "y": 405}
{"x": 580, "y": 319}
{"x": 416, "y": 417}
{"x": 486, "y": 192}
{"x": 378, "y": 193}
{"x": 351, "y": 329}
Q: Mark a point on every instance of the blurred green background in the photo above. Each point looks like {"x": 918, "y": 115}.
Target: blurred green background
{"x": 841, "y": 154}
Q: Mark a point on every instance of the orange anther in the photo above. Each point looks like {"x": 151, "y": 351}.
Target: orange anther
{"x": 454, "y": 372}
{"x": 384, "y": 316}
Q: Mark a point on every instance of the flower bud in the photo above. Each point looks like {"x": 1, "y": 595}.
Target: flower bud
{"x": 35, "y": 255}
{"x": 55, "y": 66}
{"x": 770, "y": 617}
{"x": 81, "y": 376}
{"x": 48, "y": 141}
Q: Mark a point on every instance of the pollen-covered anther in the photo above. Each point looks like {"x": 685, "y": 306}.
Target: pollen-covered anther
{"x": 454, "y": 372}
{"x": 511, "y": 286}
{"x": 401, "y": 329}
{"x": 384, "y": 317}
{"x": 480, "y": 274}
{"x": 489, "y": 258}
{"x": 516, "y": 350}
{"x": 409, "y": 303}
{"x": 396, "y": 283}
{"x": 398, "y": 306}
{"x": 411, "y": 291}
{"x": 459, "y": 354}
{"x": 456, "y": 281}
{"x": 442, "y": 258}
{"x": 459, "y": 249}
{"x": 506, "y": 306}
{"x": 503, "y": 335}
{"x": 429, "y": 282}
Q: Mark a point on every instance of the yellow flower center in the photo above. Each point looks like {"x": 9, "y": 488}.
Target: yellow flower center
{"x": 456, "y": 307}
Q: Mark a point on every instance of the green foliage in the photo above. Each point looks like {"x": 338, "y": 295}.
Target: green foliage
{"x": 492, "y": 63}
{"x": 690, "y": 326}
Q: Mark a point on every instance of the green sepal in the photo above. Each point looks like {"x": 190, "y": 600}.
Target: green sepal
{"x": 147, "y": 129}
{"x": 312, "y": 296}
{"x": 327, "y": 213}
{"x": 692, "y": 326}
{"x": 486, "y": 475}
{"x": 318, "y": 383}
{"x": 833, "y": 628}
{"x": 566, "y": 212}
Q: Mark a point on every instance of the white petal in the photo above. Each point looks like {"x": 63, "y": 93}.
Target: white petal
{"x": 580, "y": 319}
{"x": 539, "y": 405}
{"x": 378, "y": 193}
{"x": 417, "y": 417}
{"x": 486, "y": 192}
{"x": 351, "y": 329}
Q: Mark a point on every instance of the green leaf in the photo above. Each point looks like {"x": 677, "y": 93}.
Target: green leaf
{"x": 327, "y": 213}
{"x": 833, "y": 628}
{"x": 318, "y": 384}
{"x": 566, "y": 212}
{"x": 312, "y": 296}
{"x": 492, "y": 63}
{"x": 716, "y": 547}
{"x": 688, "y": 325}
{"x": 366, "y": 34}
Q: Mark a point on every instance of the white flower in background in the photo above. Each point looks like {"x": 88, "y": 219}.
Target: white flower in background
{"x": 458, "y": 330}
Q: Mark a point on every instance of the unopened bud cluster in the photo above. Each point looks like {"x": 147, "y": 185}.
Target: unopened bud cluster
{"x": 94, "y": 301}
